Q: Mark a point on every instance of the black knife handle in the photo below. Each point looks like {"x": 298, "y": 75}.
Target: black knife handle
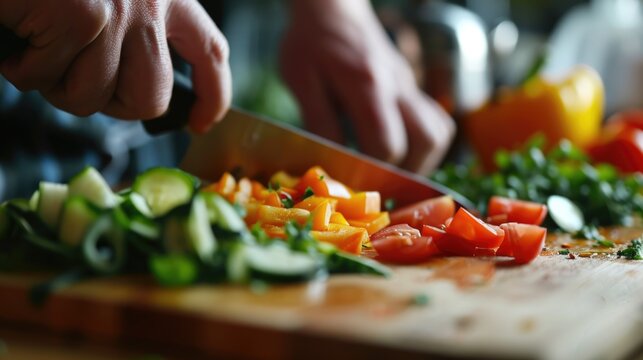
{"x": 178, "y": 111}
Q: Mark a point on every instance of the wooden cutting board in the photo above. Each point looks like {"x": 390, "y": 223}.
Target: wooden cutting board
{"x": 554, "y": 308}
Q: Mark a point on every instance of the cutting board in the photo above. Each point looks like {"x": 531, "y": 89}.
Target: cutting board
{"x": 553, "y": 308}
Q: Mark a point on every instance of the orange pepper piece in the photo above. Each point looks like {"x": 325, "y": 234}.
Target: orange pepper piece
{"x": 226, "y": 185}
{"x": 360, "y": 205}
{"x": 322, "y": 185}
{"x": 338, "y": 218}
{"x": 372, "y": 223}
{"x": 283, "y": 179}
{"x": 272, "y": 199}
{"x": 346, "y": 238}
{"x": 274, "y": 232}
{"x": 280, "y": 216}
{"x": 321, "y": 216}
{"x": 311, "y": 202}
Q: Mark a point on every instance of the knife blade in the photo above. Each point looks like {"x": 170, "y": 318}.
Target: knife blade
{"x": 253, "y": 146}
{"x": 250, "y": 145}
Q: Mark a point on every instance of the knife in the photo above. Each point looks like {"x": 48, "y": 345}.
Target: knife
{"x": 249, "y": 145}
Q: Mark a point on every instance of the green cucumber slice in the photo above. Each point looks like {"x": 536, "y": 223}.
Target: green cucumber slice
{"x": 77, "y": 217}
{"x": 237, "y": 266}
{"x": 198, "y": 230}
{"x": 135, "y": 204}
{"x": 34, "y": 200}
{"x": 341, "y": 262}
{"x": 565, "y": 214}
{"x": 276, "y": 263}
{"x": 91, "y": 185}
{"x": 103, "y": 246}
{"x": 165, "y": 188}
{"x": 51, "y": 199}
{"x": 227, "y": 218}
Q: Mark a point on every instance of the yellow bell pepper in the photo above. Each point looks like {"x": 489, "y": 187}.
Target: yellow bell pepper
{"x": 571, "y": 109}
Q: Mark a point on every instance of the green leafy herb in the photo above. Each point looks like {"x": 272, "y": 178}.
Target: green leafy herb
{"x": 286, "y": 200}
{"x": 321, "y": 177}
{"x": 308, "y": 193}
{"x": 389, "y": 204}
{"x": 563, "y": 252}
{"x": 634, "y": 250}
{"x": 605, "y": 196}
{"x": 420, "y": 300}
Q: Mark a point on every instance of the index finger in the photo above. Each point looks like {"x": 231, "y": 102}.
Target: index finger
{"x": 198, "y": 41}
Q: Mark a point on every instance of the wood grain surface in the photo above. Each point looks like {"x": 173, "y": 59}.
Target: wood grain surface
{"x": 554, "y": 308}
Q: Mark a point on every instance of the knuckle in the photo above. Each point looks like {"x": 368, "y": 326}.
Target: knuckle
{"x": 219, "y": 49}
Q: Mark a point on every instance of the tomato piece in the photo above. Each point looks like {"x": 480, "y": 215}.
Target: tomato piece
{"x": 448, "y": 244}
{"x": 403, "y": 244}
{"x": 480, "y": 234}
{"x": 520, "y": 211}
{"x": 432, "y": 212}
{"x": 526, "y": 241}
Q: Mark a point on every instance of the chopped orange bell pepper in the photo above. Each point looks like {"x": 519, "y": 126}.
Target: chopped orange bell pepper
{"x": 321, "y": 184}
{"x": 280, "y": 216}
{"x": 321, "y": 216}
{"x": 360, "y": 205}
{"x": 338, "y": 218}
{"x": 372, "y": 222}
{"x": 347, "y": 238}
{"x": 283, "y": 179}
{"x": 311, "y": 202}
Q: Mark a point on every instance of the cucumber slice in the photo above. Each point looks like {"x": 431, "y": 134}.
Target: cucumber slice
{"x": 77, "y": 217}
{"x": 134, "y": 204}
{"x": 51, "y": 199}
{"x": 565, "y": 214}
{"x": 279, "y": 264}
{"x": 226, "y": 217}
{"x": 103, "y": 246}
{"x": 198, "y": 230}
{"x": 145, "y": 228}
{"x": 341, "y": 262}
{"x": 91, "y": 185}
{"x": 165, "y": 188}
{"x": 208, "y": 197}
{"x": 34, "y": 200}
{"x": 237, "y": 266}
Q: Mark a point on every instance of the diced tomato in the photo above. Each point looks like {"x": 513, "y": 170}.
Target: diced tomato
{"x": 497, "y": 219}
{"x": 520, "y": 211}
{"x": 524, "y": 242}
{"x": 403, "y": 244}
{"x": 432, "y": 212}
{"x": 480, "y": 234}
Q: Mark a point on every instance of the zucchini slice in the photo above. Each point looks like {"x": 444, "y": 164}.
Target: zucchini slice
{"x": 103, "y": 245}
{"x": 565, "y": 214}
{"x": 77, "y": 217}
{"x": 91, "y": 185}
{"x": 198, "y": 230}
{"x": 165, "y": 188}
{"x": 51, "y": 199}
{"x": 225, "y": 216}
{"x": 341, "y": 262}
{"x": 277, "y": 263}
{"x": 34, "y": 200}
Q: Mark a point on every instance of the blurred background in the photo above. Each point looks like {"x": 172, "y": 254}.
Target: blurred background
{"x": 460, "y": 50}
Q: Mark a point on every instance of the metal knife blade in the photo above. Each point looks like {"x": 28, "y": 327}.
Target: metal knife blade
{"x": 249, "y": 145}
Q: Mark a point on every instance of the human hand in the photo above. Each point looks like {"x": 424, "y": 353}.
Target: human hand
{"x": 113, "y": 56}
{"x": 335, "y": 54}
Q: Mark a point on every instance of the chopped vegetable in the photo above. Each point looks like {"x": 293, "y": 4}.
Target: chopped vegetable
{"x": 634, "y": 250}
{"x": 605, "y": 196}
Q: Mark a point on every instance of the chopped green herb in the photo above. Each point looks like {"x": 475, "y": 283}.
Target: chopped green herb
{"x": 308, "y": 193}
{"x": 604, "y": 196}
{"x": 389, "y": 204}
{"x": 634, "y": 250}
{"x": 274, "y": 186}
{"x": 286, "y": 200}
{"x": 321, "y": 177}
{"x": 563, "y": 252}
{"x": 420, "y": 300}
{"x": 604, "y": 243}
